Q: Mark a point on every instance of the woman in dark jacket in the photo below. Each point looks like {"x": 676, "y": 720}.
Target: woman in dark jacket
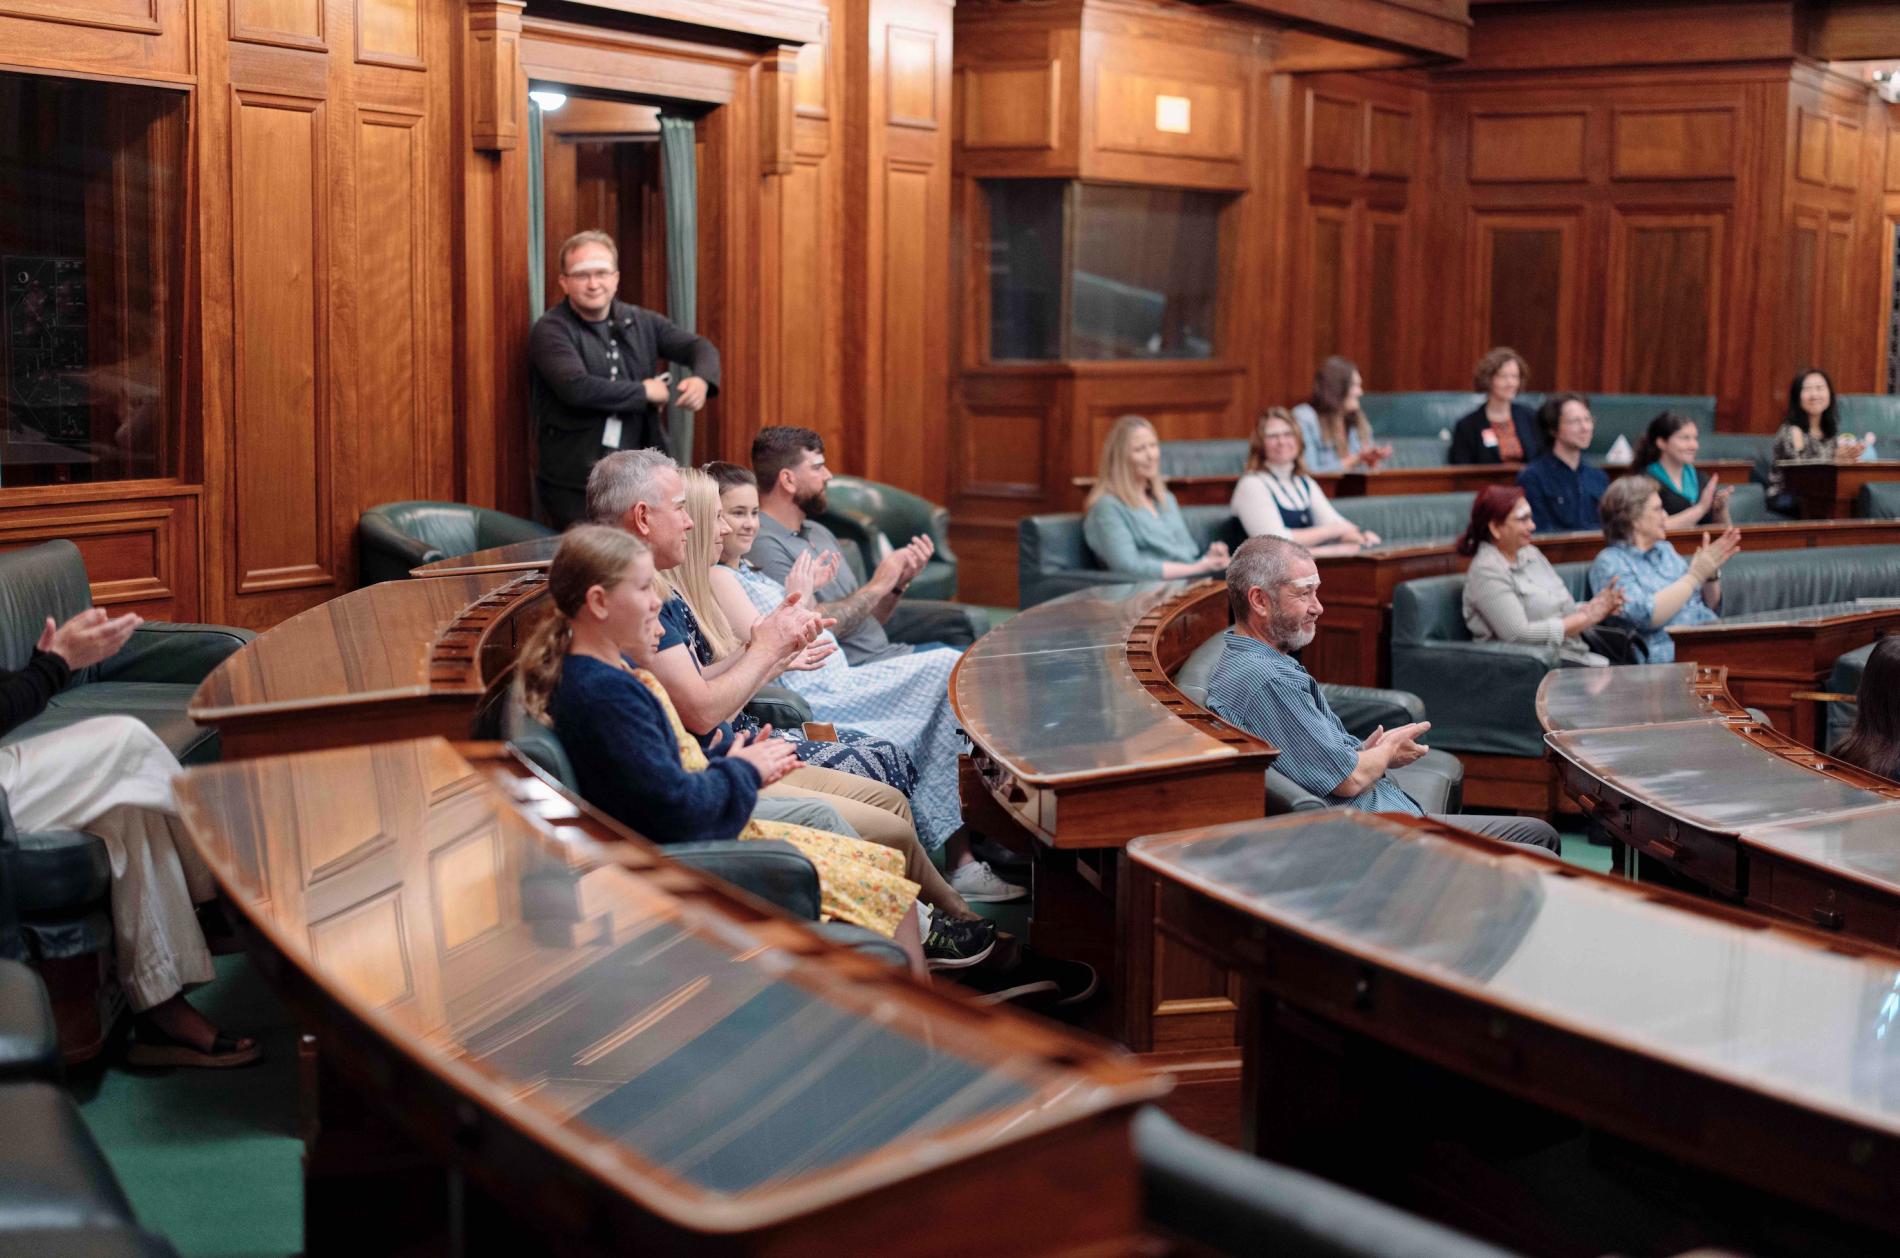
{"x": 1502, "y": 430}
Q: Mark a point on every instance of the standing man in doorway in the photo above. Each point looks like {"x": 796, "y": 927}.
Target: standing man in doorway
{"x": 594, "y": 375}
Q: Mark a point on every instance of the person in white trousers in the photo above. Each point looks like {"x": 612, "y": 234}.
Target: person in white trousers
{"x": 111, "y": 776}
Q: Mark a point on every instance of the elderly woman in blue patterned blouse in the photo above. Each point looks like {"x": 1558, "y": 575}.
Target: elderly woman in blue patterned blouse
{"x": 1660, "y": 587}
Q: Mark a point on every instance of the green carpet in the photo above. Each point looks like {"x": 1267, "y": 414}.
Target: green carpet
{"x": 210, "y": 1158}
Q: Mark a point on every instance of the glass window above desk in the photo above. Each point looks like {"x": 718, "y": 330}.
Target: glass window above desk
{"x": 91, "y": 280}
{"x": 1091, "y": 272}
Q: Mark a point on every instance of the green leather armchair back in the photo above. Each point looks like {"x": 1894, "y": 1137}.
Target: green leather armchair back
{"x": 1053, "y": 558}
{"x": 881, "y": 517}
{"x": 395, "y": 537}
{"x": 1414, "y": 518}
{"x": 1845, "y": 680}
{"x": 1879, "y": 501}
{"x": 1223, "y": 456}
{"x": 1416, "y": 414}
{"x": 1878, "y": 413}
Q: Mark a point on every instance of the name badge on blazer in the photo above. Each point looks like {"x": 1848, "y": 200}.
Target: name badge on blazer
{"x": 1489, "y": 437}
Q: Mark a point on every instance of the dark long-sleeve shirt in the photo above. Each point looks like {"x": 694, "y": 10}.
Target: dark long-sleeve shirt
{"x": 1467, "y": 437}
{"x": 25, "y": 694}
{"x": 584, "y": 374}
{"x": 627, "y": 761}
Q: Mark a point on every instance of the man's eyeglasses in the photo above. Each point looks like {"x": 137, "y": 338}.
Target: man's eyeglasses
{"x": 593, "y": 273}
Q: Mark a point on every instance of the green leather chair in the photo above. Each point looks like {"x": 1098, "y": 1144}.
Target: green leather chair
{"x": 777, "y": 873}
{"x": 1053, "y": 558}
{"x": 1878, "y": 413}
{"x": 1211, "y": 456}
{"x": 1436, "y": 780}
{"x": 54, "y": 883}
{"x": 395, "y": 537}
{"x": 880, "y": 518}
{"x": 1227, "y": 1202}
{"x": 1844, "y": 679}
{"x": 1482, "y": 696}
{"x": 1879, "y": 501}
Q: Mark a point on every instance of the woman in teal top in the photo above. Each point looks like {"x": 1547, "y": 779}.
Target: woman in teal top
{"x": 1133, "y": 524}
{"x": 1667, "y": 453}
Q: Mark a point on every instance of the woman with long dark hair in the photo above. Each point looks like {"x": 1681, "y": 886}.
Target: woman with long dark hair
{"x": 1810, "y": 432}
{"x": 1667, "y": 453}
{"x": 1873, "y": 740}
{"x": 1336, "y": 433}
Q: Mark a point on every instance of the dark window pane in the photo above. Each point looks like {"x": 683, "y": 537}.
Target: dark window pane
{"x": 1147, "y": 263}
{"x": 91, "y": 268}
{"x": 1025, "y": 261}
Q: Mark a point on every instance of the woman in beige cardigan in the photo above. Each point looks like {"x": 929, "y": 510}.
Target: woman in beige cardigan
{"x": 1512, "y": 594}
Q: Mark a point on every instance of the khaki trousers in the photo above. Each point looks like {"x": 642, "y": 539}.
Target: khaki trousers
{"x": 881, "y": 814}
{"x": 112, "y": 777}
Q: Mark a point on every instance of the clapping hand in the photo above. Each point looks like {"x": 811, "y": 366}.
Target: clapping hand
{"x": 89, "y": 637}
{"x": 813, "y": 657}
{"x": 811, "y": 572}
{"x": 772, "y": 757}
{"x": 1403, "y": 742}
{"x": 788, "y": 629}
{"x": 692, "y": 393}
{"x": 1215, "y": 560}
{"x": 1710, "y": 556}
{"x": 1607, "y": 603}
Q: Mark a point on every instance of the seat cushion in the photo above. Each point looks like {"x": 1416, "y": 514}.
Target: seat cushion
{"x": 59, "y": 871}
{"x": 52, "y": 1174}
{"x": 161, "y": 705}
{"x": 29, "y": 1042}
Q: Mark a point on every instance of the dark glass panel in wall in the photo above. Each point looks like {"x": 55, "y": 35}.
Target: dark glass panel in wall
{"x": 1025, "y": 265}
{"x": 91, "y": 270}
{"x": 1147, "y": 263}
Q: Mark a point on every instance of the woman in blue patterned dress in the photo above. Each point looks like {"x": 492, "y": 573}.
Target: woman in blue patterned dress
{"x": 905, "y": 699}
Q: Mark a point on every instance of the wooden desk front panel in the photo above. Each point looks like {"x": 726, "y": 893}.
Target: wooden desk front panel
{"x": 1829, "y": 490}
{"x": 1768, "y": 665}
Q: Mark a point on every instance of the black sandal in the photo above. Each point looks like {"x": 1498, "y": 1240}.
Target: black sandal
{"x": 152, "y": 1047}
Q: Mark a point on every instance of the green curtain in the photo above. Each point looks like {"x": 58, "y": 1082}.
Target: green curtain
{"x": 537, "y": 218}
{"x": 679, "y": 178}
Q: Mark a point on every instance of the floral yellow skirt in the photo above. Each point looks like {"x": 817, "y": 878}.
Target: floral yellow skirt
{"x": 858, "y": 882}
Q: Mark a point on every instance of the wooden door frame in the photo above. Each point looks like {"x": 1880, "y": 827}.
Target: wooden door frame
{"x": 726, "y": 80}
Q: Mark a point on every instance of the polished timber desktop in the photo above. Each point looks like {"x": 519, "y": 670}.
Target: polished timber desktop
{"x": 1443, "y": 980}
{"x": 624, "y": 1053}
{"x": 1673, "y": 767}
{"x": 400, "y": 659}
{"x": 527, "y": 556}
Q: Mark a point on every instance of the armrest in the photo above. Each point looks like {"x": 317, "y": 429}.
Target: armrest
{"x": 858, "y": 939}
{"x": 388, "y": 553}
{"x": 12, "y": 943}
{"x": 1284, "y": 795}
{"x": 925, "y": 620}
{"x": 1363, "y": 709}
{"x": 167, "y": 652}
{"x": 29, "y": 1044}
{"x": 776, "y": 872}
{"x": 1479, "y": 696}
{"x": 779, "y": 707}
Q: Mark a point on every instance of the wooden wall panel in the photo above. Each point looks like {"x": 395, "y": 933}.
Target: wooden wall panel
{"x": 1843, "y": 155}
{"x": 1810, "y": 161}
{"x": 280, "y": 496}
{"x": 1334, "y": 134}
{"x": 1673, "y": 144}
{"x": 1000, "y": 454}
{"x": 1518, "y": 148}
{"x": 1131, "y": 107}
{"x": 1389, "y": 147}
{"x": 1666, "y": 297}
{"x": 390, "y": 272}
{"x": 908, "y": 321}
{"x": 1804, "y": 290}
{"x": 1386, "y": 292}
{"x": 389, "y": 32}
{"x": 140, "y": 550}
{"x": 1011, "y": 106}
{"x": 1527, "y": 289}
{"x": 285, "y": 23}
{"x": 1329, "y": 279}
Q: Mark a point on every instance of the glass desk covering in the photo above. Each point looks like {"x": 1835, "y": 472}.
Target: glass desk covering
{"x": 1636, "y": 694}
{"x": 677, "y": 1052}
{"x": 537, "y": 552}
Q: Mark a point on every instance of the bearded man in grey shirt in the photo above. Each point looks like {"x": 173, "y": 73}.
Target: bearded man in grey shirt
{"x": 790, "y": 465}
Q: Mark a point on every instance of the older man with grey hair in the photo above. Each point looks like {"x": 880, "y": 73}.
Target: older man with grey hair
{"x": 1273, "y": 588}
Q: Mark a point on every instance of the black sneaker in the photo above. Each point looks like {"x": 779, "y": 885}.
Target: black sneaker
{"x": 951, "y": 945}
{"x": 984, "y": 848}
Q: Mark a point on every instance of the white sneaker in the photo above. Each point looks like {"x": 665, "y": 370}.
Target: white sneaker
{"x": 978, "y": 883}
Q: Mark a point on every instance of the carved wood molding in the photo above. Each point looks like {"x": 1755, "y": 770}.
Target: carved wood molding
{"x": 495, "y": 82}
{"x": 792, "y": 22}
{"x": 778, "y": 110}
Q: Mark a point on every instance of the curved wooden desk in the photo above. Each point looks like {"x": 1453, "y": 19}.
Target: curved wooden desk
{"x": 532, "y": 555}
{"x": 1831, "y": 490}
{"x": 1404, "y": 975}
{"x": 628, "y": 1056}
{"x": 1081, "y": 742}
{"x": 1774, "y": 654}
{"x": 1689, "y": 780}
{"x": 402, "y": 659}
